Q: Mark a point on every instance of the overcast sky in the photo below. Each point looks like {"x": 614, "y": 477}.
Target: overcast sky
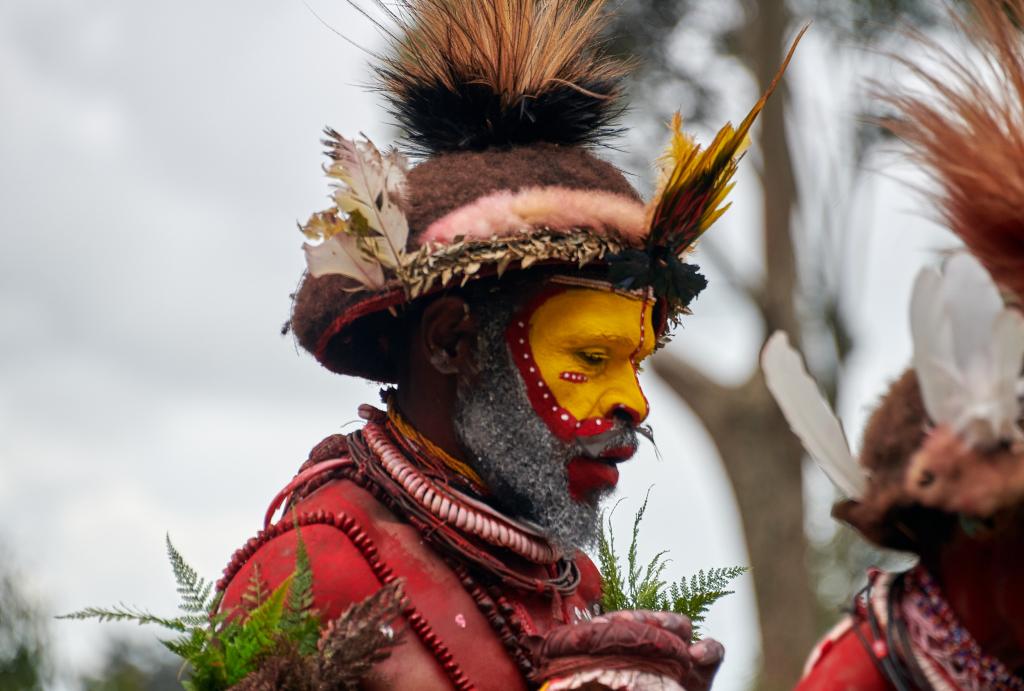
{"x": 154, "y": 159}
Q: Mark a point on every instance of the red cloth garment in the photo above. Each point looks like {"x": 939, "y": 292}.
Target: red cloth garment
{"x": 463, "y": 627}
{"x": 903, "y": 634}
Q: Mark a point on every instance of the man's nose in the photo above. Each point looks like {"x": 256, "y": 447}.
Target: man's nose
{"x": 628, "y": 415}
{"x": 628, "y": 404}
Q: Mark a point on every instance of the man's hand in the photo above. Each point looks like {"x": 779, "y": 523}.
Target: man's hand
{"x": 629, "y": 650}
{"x": 706, "y": 655}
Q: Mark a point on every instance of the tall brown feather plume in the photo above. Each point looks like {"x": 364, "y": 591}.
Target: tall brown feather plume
{"x": 467, "y": 74}
{"x": 968, "y": 132}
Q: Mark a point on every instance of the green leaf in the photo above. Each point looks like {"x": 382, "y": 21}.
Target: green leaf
{"x": 643, "y": 586}
{"x": 300, "y": 622}
{"x": 194, "y": 591}
{"x": 256, "y": 592}
{"x": 257, "y": 636}
{"x": 125, "y": 613}
{"x": 694, "y": 598}
{"x": 613, "y": 596}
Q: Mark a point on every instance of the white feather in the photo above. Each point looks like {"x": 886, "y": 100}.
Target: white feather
{"x": 810, "y": 416}
{"x": 968, "y": 352}
{"x": 934, "y": 359}
{"x": 341, "y": 255}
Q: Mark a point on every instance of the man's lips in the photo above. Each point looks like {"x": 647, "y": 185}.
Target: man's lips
{"x": 617, "y": 454}
{"x": 589, "y": 475}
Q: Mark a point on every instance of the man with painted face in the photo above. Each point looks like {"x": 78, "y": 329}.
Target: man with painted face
{"x": 507, "y": 287}
{"x": 561, "y": 371}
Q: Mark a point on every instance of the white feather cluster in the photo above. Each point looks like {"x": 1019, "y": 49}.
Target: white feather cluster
{"x": 968, "y": 355}
{"x": 968, "y": 352}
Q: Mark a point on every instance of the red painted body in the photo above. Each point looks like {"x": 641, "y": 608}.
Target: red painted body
{"x": 355, "y": 545}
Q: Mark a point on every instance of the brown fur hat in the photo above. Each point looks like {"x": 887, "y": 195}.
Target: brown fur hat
{"x": 499, "y": 98}
{"x": 326, "y": 307}
{"x": 504, "y": 101}
{"x": 895, "y": 431}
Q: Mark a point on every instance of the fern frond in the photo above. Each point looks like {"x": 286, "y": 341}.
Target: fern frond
{"x": 694, "y": 598}
{"x": 300, "y": 622}
{"x": 263, "y": 621}
{"x": 123, "y": 612}
{"x": 300, "y": 595}
{"x": 257, "y": 637}
{"x": 256, "y": 592}
{"x": 631, "y": 555}
{"x": 194, "y": 591}
{"x": 219, "y": 651}
{"x": 189, "y": 646}
{"x": 613, "y": 595}
{"x": 644, "y": 587}
{"x": 648, "y": 592}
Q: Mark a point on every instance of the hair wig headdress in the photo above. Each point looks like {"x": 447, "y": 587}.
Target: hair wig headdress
{"x": 503, "y": 102}
{"x": 967, "y": 131}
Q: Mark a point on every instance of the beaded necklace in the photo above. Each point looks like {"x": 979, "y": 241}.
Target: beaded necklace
{"x": 418, "y": 490}
{"x": 425, "y": 450}
{"x": 920, "y": 643}
{"x": 936, "y": 634}
{"x": 454, "y": 518}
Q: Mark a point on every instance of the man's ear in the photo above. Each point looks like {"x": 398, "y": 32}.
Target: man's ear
{"x": 448, "y": 335}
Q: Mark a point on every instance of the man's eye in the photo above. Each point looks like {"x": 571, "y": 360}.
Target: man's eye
{"x": 591, "y": 357}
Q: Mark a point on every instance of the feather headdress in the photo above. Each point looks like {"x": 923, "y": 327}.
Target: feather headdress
{"x": 968, "y": 132}
{"x": 504, "y": 100}
{"x": 691, "y": 195}
{"x": 968, "y": 354}
{"x": 471, "y": 75}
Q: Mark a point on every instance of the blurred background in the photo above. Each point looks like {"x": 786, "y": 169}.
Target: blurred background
{"x": 154, "y": 160}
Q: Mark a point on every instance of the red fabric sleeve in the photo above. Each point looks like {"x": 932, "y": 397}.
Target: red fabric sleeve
{"x": 841, "y": 663}
{"x": 341, "y": 575}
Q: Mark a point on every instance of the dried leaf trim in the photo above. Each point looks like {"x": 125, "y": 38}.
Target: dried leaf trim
{"x": 363, "y": 236}
{"x": 441, "y": 265}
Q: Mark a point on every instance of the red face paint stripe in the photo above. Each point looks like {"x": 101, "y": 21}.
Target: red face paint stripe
{"x": 560, "y": 421}
{"x": 638, "y": 417}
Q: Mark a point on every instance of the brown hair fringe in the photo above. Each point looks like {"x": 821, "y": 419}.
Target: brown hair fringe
{"x": 969, "y": 133}
{"x": 468, "y": 75}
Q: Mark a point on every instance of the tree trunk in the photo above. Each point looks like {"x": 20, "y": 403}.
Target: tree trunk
{"x": 763, "y": 461}
{"x": 760, "y": 454}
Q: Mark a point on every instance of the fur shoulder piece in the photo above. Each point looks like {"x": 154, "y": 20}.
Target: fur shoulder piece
{"x": 967, "y": 129}
{"x": 468, "y": 75}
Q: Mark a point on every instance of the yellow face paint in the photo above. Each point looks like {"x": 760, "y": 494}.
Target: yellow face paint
{"x": 587, "y": 345}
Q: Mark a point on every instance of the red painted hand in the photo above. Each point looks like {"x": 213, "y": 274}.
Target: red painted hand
{"x": 632, "y": 650}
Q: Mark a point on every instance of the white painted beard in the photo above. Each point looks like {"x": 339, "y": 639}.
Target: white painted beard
{"x": 517, "y": 456}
